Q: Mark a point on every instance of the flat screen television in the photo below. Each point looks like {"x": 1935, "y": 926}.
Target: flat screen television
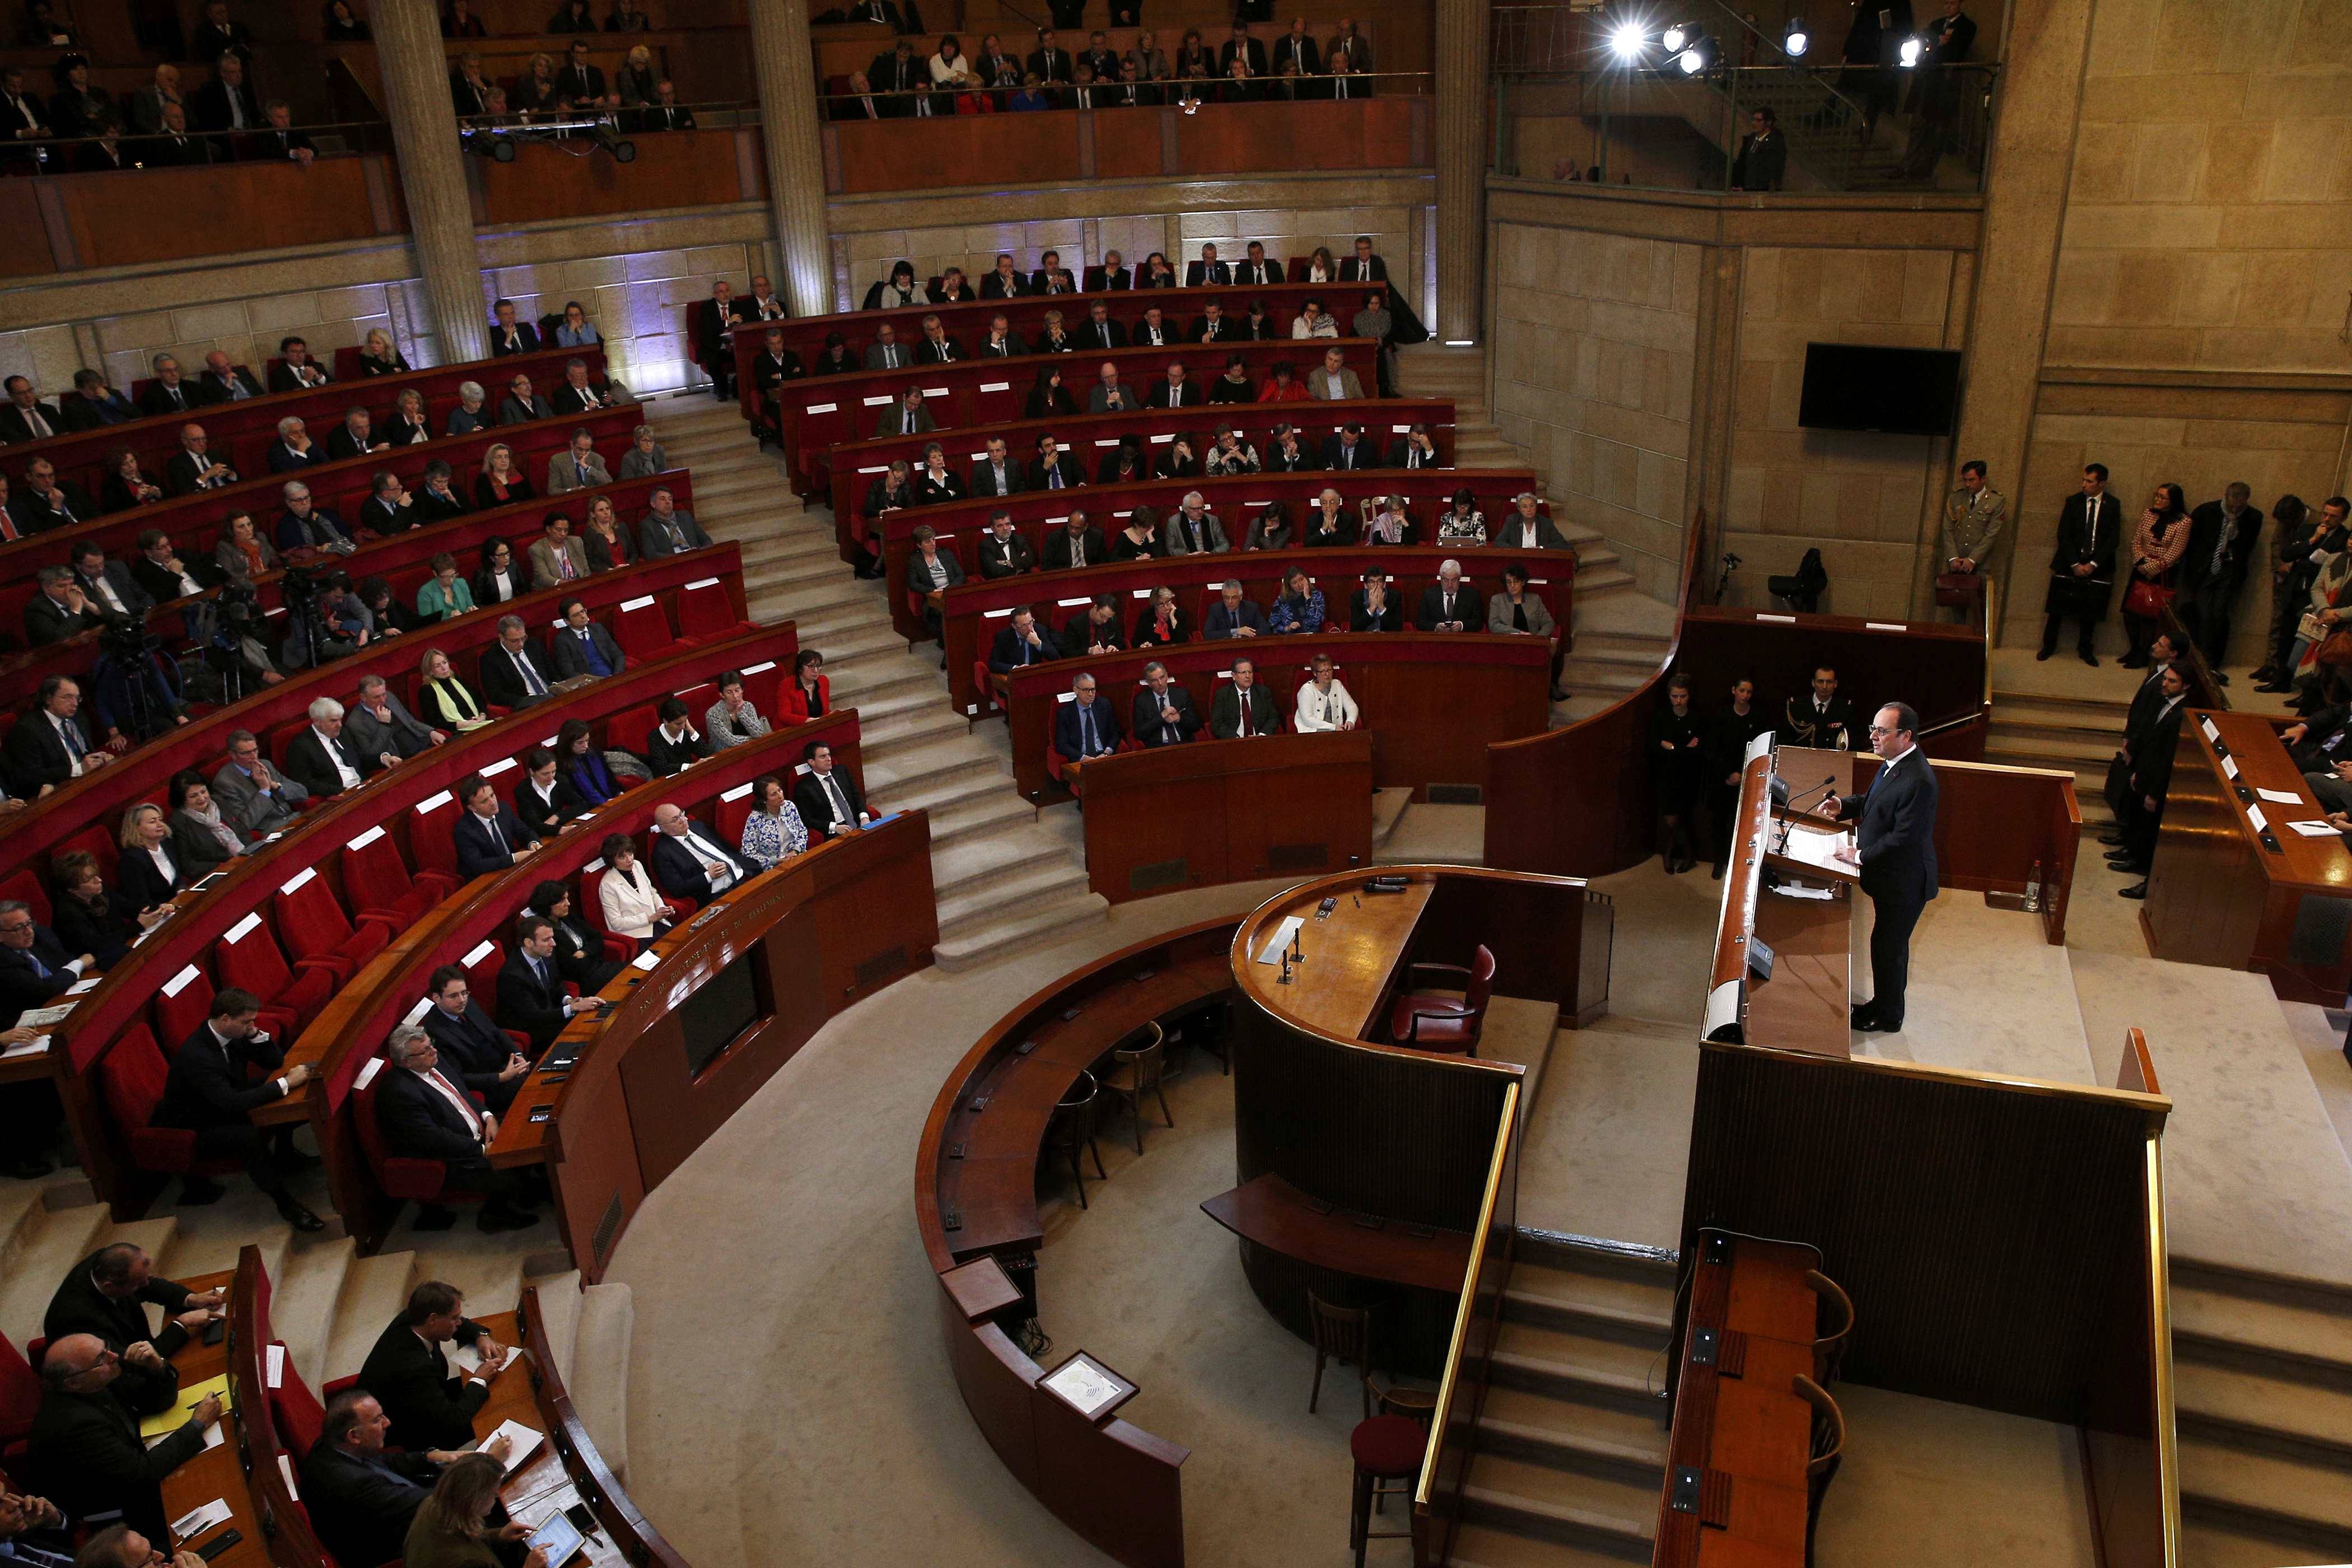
{"x": 716, "y": 1015}
{"x": 1896, "y": 392}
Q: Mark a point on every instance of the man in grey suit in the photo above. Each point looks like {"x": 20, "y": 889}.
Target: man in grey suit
{"x": 906, "y": 417}
{"x": 667, "y": 530}
{"x": 1110, "y": 396}
{"x": 379, "y": 725}
{"x": 250, "y": 791}
{"x": 1194, "y": 530}
{"x": 577, "y": 467}
{"x": 556, "y": 556}
{"x": 887, "y": 352}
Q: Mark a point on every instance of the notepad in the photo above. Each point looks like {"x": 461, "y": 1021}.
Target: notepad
{"x": 197, "y": 1520}
{"x": 526, "y": 1442}
{"x": 276, "y": 1372}
{"x": 2281, "y": 798}
{"x": 164, "y": 1423}
{"x": 2313, "y": 829}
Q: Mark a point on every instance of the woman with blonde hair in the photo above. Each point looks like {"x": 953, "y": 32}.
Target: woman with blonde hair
{"x": 636, "y": 81}
{"x": 148, "y": 874}
{"x": 379, "y": 355}
{"x": 409, "y": 424}
{"x": 501, "y": 482}
{"x": 451, "y": 1528}
{"x": 443, "y": 697}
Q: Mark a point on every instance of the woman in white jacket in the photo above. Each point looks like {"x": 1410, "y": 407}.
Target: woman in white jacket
{"x": 1323, "y": 701}
{"x": 633, "y": 906}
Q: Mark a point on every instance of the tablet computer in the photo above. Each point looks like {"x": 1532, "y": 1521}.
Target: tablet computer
{"x": 558, "y": 1538}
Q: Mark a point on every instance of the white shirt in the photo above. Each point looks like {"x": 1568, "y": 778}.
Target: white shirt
{"x": 1320, "y": 709}
{"x": 724, "y": 877}
{"x": 448, "y": 1091}
{"x": 70, "y": 737}
{"x": 156, "y": 853}
{"x": 342, "y": 769}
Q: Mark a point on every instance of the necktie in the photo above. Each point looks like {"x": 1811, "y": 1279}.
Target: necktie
{"x": 1053, "y": 477}
{"x": 538, "y": 972}
{"x": 496, "y": 837}
{"x": 2221, "y": 544}
{"x": 71, "y": 732}
{"x": 1078, "y": 551}
{"x": 531, "y": 681}
{"x": 38, "y": 426}
{"x": 236, "y": 391}
{"x": 1086, "y": 732}
{"x": 580, "y": 469}
{"x": 2090, "y": 524}
{"x": 1244, "y": 699}
{"x": 840, "y": 802}
{"x": 40, "y": 970}
{"x": 177, "y": 401}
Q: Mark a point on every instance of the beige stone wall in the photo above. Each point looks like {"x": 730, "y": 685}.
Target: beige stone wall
{"x": 638, "y": 301}
{"x": 1861, "y": 499}
{"x": 1592, "y": 350}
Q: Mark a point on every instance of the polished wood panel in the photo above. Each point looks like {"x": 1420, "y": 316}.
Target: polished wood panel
{"x": 1978, "y": 1223}
{"x": 130, "y": 219}
{"x": 2218, "y": 894}
{"x": 1246, "y": 138}
{"x": 2130, "y": 1450}
{"x": 550, "y": 180}
{"x": 1431, "y": 700}
{"x": 1350, "y": 959}
{"x": 1998, "y": 828}
{"x": 577, "y": 1459}
{"x": 28, "y": 252}
{"x": 1227, "y": 811}
{"x": 1130, "y": 147}
{"x": 997, "y": 150}
{"x": 1271, "y": 1213}
{"x": 221, "y": 1471}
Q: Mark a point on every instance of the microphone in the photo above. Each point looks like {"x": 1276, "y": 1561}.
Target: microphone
{"x": 1817, "y": 789}
{"x": 1788, "y": 824}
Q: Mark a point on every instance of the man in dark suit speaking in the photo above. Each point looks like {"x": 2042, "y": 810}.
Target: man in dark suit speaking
{"x": 1895, "y": 849}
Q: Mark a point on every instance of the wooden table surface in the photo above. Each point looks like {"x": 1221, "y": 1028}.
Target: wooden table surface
{"x": 1350, "y": 960}
{"x": 1274, "y": 1214}
{"x": 213, "y": 1473}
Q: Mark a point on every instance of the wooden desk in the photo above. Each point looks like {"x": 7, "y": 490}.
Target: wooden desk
{"x": 215, "y": 1472}
{"x": 1739, "y": 1427}
{"x": 2218, "y": 894}
{"x": 1269, "y": 1212}
{"x": 1807, "y": 1003}
{"x": 1227, "y": 811}
{"x": 1350, "y": 960}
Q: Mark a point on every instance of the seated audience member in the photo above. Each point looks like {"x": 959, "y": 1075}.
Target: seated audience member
{"x": 1095, "y": 629}
{"x": 577, "y": 467}
{"x": 1229, "y": 455}
{"x": 86, "y": 1455}
{"x": 1164, "y": 714}
{"x": 500, "y": 482}
{"x": 828, "y": 795}
{"x": 1162, "y": 623}
{"x": 1298, "y": 608}
{"x": 581, "y": 956}
{"x": 409, "y": 1375}
{"x": 306, "y": 530}
{"x": 1077, "y": 545}
{"x": 106, "y": 1297}
{"x": 583, "y": 766}
{"x": 1022, "y": 643}
{"x": 692, "y": 862}
{"x": 1109, "y": 394}
{"x": 1282, "y": 386}
{"x": 47, "y": 502}
{"x": 1232, "y": 615}
{"x": 1528, "y": 529}
{"x": 26, "y": 416}
{"x": 322, "y": 759}
{"x": 204, "y": 839}
{"x": 169, "y": 391}
{"x": 626, "y": 896}
{"x": 93, "y": 405}
{"x": 1243, "y": 707}
{"x": 381, "y": 725}
{"x": 1821, "y": 718}
{"x": 664, "y": 113}
{"x": 1314, "y": 321}
{"x": 1271, "y": 529}
{"x": 147, "y": 874}
{"x": 531, "y": 997}
{"x": 1126, "y": 463}
{"x": 444, "y": 595}
{"x": 294, "y": 449}
{"x": 58, "y": 609}
{"x": 250, "y": 791}
{"x": 1055, "y": 338}
{"x": 514, "y": 672}
{"x": 575, "y": 394}
{"x": 674, "y": 744}
{"x": 933, "y": 568}
{"x": 808, "y": 694}
{"x": 1053, "y": 469}
{"x": 467, "y": 417}
{"x": 88, "y": 918}
{"x": 1333, "y": 380}
{"x": 1327, "y": 524}
{"x": 583, "y": 646}
{"x": 774, "y": 832}
{"x": 509, "y": 335}
{"x": 908, "y": 416}
{"x": 1085, "y": 729}
{"x": 474, "y": 1053}
{"x": 225, "y": 381}
{"x": 1518, "y": 609}
{"x": 995, "y": 474}
{"x": 1388, "y": 520}
{"x": 54, "y": 742}
{"x": 1000, "y": 341}
{"x": 1050, "y": 399}
{"x": 378, "y": 356}
{"x": 1412, "y": 450}
{"x": 212, "y": 1090}
{"x": 408, "y": 426}
{"x": 1235, "y": 385}
{"x": 934, "y": 483}
{"x": 544, "y": 803}
{"x": 443, "y": 697}
{"x": 360, "y": 1498}
{"x": 296, "y": 371}
{"x": 1214, "y": 327}
{"x": 608, "y": 540}
{"x": 498, "y": 579}
{"x": 1004, "y": 553}
{"x": 488, "y": 837}
{"x": 836, "y": 358}
{"x": 1452, "y": 602}
{"x": 162, "y": 576}
{"x": 1193, "y": 529}
{"x": 1177, "y": 459}
{"x": 646, "y": 456}
{"x": 1139, "y": 540}
{"x": 892, "y": 490}
{"x": 35, "y": 967}
{"x": 937, "y": 347}
{"x": 1348, "y": 450}
{"x": 1051, "y": 276}
{"x": 1154, "y": 332}
{"x": 453, "y": 1526}
{"x": 1323, "y": 701}
{"x": 668, "y": 529}
{"x": 1288, "y": 454}
{"x": 1461, "y": 522}
{"x": 520, "y": 405}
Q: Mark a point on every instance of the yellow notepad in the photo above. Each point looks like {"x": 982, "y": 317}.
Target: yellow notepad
{"x": 164, "y": 1423}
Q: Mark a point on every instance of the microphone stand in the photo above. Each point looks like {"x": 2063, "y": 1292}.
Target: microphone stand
{"x": 1788, "y": 824}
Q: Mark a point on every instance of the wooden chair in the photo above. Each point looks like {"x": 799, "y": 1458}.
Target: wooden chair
{"x": 1828, "y": 1450}
{"x": 1137, "y": 1075}
{"x": 1439, "y": 1021}
{"x": 1343, "y": 1334}
{"x": 1832, "y": 1323}
{"x": 1073, "y": 1130}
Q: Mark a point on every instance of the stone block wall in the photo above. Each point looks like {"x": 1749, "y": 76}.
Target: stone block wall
{"x": 638, "y": 300}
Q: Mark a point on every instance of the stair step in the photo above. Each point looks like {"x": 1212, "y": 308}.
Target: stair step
{"x": 1572, "y": 1366}
{"x": 861, "y": 684}
{"x": 959, "y": 818}
{"x": 2282, "y": 1415}
{"x": 1032, "y": 925}
{"x": 1618, "y": 1444}
{"x": 1602, "y": 580}
{"x": 1388, "y": 809}
{"x": 929, "y": 721}
{"x": 64, "y": 1238}
{"x": 303, "y": 1295}
{"x": 2263, "y": 1492}
{"x": 1621, "y": 1310}
{"x": 2240, "y": 1321}
{"x": 906, "y": 769}
{"x": 23, "y": 1207}
{"x": 374, "y": 1291}
{"x": 2210, "y": 1545}
{"x": 1559, "y": 1505}
{"x": 1639, "y": 653}
{"x": 1037, "y": 881}
{"x": 1483, "y": 1546}
{"x": 976, "y": 865}
{"x": 599, "y": 1379}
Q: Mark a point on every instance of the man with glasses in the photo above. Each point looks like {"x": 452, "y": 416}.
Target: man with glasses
{"x": 250, "y": 792}
{"x": 1895, "y": 851}
{"x": 86, "y": 1448}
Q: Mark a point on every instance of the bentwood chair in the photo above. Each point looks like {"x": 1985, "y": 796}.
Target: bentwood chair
{"x": 1833, "y": 1325}
{"x": 1137, "y": 1075}
{"x": 1828, "y": 1450}
{"x": 1072, "y": 1132}
{"x": 1343, "y": 1334}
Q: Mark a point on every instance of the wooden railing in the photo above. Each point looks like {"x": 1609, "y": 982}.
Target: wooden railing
{"x": 1462, "y": 1391}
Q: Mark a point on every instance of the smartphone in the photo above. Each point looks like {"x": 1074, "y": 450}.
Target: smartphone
{"x": 216, "y": 1331}
{"x": 582, "y": 1518}
{"x": 542, "y": 1114}
{"x": 217, "y": 1545}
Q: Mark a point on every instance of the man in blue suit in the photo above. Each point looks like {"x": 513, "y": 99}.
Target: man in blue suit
{"x": 1085, "y": 729}
{"x": 1894, "y": 850}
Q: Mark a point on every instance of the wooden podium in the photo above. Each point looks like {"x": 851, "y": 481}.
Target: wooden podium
{"x": 1806, "y": 922}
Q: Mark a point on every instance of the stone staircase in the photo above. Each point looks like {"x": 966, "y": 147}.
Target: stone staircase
{"x": 989, "y": 853}
{"x": 328, "y": 1303}
{"x": 2077, "y": 734}
{"x": 2262, "y": 1393}
{"x": 1572, "y": 1438}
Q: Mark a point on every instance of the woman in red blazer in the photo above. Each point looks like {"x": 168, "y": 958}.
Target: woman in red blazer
{"x": 808, "y": 695}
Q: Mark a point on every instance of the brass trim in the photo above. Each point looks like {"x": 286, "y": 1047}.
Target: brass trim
{"x": 2159, "y": 1286}
{"x": 1507, "y": 1130}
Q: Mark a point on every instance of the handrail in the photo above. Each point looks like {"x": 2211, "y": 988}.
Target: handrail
{"x": 1450, "y": 1386}
{"x": 2160, "y": 1288}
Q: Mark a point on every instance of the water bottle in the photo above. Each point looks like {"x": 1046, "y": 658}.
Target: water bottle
{"x": 2033, "y": 890}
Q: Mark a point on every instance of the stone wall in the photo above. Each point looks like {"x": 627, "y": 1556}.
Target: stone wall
{"x": 1592, "y": 358}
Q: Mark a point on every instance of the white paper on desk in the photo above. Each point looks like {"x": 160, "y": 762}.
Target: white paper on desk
{"x": 78, "y": 987}
{"x": 1279, "y": 943}
{"x": 469, "y": 1357}
{"x": 649, "y": 960}
{"x": 2254, "y": 814}
{"x": 2229, "y": 767}
{"x": 214, "y": 1438}
{"x": 285, "y": 1468}
{"x": 34, "y": 1017}
{"x": 32, "y": 1048}
{"x": 197, "y": 1520}
{"x": 2213, "y": 730}
{"x": 2313, "y": 829}
{"x": 2280, "y": 797}
{"x": 525, "y": 1441}
{"x": 276, "y": 1372}
{"x": 1786, "y": 891}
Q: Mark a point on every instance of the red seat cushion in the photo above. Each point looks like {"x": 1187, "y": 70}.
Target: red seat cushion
{"x": 1454, "y": 1032}
{"x": 1388, "y": 1446}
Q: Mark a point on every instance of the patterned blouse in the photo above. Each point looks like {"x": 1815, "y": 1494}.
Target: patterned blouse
{"x": 768, "y": 839}
{"x": 1453, "y": 528}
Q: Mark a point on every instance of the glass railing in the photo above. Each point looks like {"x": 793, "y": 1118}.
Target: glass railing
{"x": 1188, "y": 93}
{"x": 123, "y": 151}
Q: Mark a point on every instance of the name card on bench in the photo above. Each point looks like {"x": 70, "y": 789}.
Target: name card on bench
{"x": 993, "y": 387}
{"x": 364, "y": 839}
{"x": 481, "y": 950}
{"x": 298, "y": 879}
{"x": 243, "y": 929}
{"x": 374, "y": 1065}
{"x": 704, "y": 582}
{"x": 418, "y": 1012}
{"x": 876, "y": 402}
{"x": 824, "y": 407}
{"x": 637, "y": 604}
{"x": 434, "y": 803}
{"x": 737, "y": 793}
{"x": 180, "y": 981}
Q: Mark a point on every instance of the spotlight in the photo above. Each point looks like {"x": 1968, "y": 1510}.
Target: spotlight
{"x": 501, "y": 150}
{"x": 1795, "y": 39}
{"x": 1911, "y": 51}
{"x": 1697, "y": 57}
{"x": 1628, "y": 42}
{"x": 1675, "y": 38}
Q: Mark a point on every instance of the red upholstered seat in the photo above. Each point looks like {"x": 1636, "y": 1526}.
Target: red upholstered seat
{"x": 132, "y": 1075}
{"x": 296, "y": 1411}
{"x": 20, "y": 1395}
{"x": 1435, "y": 1020}
{"x": 423, "y": 1180}
{"x": 381, "y": 886}
{"x": 249, "y": 956}
{"x": 1387, "y": 1446}
{"x": 643, "y": 631}
{"x": 314, "y": 925}
{"x": 706, "y": 615}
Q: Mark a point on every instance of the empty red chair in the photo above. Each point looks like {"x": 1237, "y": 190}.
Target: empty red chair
{"x": 23, "y": 887}
{"x": 314, "y": 925}
{"x": 294, "y": 1408}
{"x": 1437, "y": 1021}
{"x": 132, "y": 1074}
{"x": 706, "y": 615}
{"x": 481, "y": 966}
{"x": 733, "y": 811}
{"x": 249, "y": 956}
{"x": 430, "y": 824}
{"x": 381, "y": 886}
{"x": 643, "y": 631}
{"x": 95, "y": 841}
{"x": 20, "y": 1396}
{"x": 626, "y": 730}
{"x": 416, "y": 1181}
{"x": 989, "y": 705}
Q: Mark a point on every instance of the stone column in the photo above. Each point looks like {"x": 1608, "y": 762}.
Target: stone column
{"x": 432, "y": 171}
{"x": 783, "y": 57}
{"x": 1462, "y": 91}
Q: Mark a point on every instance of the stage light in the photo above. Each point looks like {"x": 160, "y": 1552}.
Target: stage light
{"x": 1676, "y": 37}
{"x": 1795, "y": 39}
{"x": 501, "y": 150}
{"x": 1628, "y": 42}
{"x": 1694, "y": 59}
{"x": 1911, "y": 51}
